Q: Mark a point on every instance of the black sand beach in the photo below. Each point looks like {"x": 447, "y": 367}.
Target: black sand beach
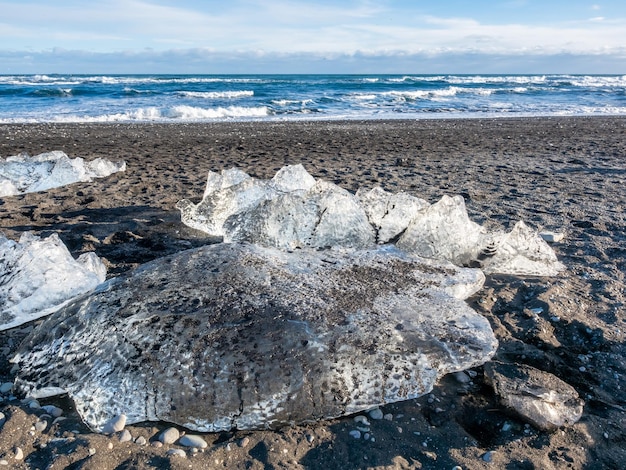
{"x": 564, "y": 174}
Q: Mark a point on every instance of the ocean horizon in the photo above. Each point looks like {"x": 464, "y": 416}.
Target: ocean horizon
{"x": 48, "y": 98}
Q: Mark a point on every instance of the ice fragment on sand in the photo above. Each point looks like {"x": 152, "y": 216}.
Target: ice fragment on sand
{"x": 25, "y": 174}
{"x": 38, "y": 275}
{"x": 293, "y": 210}
{"x": 444, "y": 231}
{"x": 522, "y": 252}
{"x": 390, "y": 213}
{"x": 258, "y": 337}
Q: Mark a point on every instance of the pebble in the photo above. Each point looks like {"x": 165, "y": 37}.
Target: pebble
{"x": 53, "y": 411}
{"x": 34, "y": 404}
{"x": 141, "y": 441}
{"x": 177, "y": 453}
{"x": 310, "y": 438}
{"x": 552, "y": 237}
{"x": 19, "y": 453}
{"x": 388, "y": 417}
{"x": 191, "y": 440}
{"x": 40, "y": 426}
{"x": 92, "y": 451}
{"x": 115, "y": 424}
{"x": 462, "y": 377}
{"x": 169, "y": 436}
{"x": 244, "y": 442}
{"x": 125, "y": 436}
{"x": 6, "y": 387}
{"x": 157, "y": 444}
{"x": 376, "y": 414}
{"x": 355, "y": 433}
{"x": 488, "y": 456}
{"x": 110, "y": 445}
{"x": 4, "y": 463}
{"x": 361, "y": 419}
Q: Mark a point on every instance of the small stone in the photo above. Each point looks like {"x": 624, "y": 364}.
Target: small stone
{"x": 376, "y": 414}
{"x": 177, "y": 453}
{"x": 4, "y": 463}
{"x": 361, "y": 419}
{"x": 457, "y": 467}
{"x": 34, "y": 404}
{"x": 157, "y": 444}
{"x": 115, "y": 424}
{"x": 507, "y": 427}
{"x": 462, "y": 377}
{"x": 40, "y": 426}
{"x": 244, "y": 442}
{"x": 191, "y": 440}
{"x": 59, "y": 419}
{"x": 366, "y": 436}
{"x": 92, "y": 451}
{"x": 141, "y": 441}
{"x": 110, "y": 445}
{"x": 19, "y": 454}
{"x": 552, "y": 237}
{"x": 388, "y": 417}
{"x": 169, "y": 436}
{"x": 355, "y": 433}
{"x": 53, "y": 411}
{"x": 310, "y": 438}
{"x": 488, "y": 456}
{"x": 125, "y": 436}
{"x": 537, "y": 310}
{"x": 6, "y": 387}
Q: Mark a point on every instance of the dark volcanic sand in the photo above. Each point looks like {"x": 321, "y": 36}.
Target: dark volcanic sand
{"x": 562, "y": 174}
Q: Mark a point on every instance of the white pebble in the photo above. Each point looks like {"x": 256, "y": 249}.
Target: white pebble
{"x": 244, "y": 442}
{"x": 355, "y": 433}
{"x": 191, "y": 440}
{"x": 54, "y": 411}
{"x": 388, "y": 417}
{"x": 41, "y": 425}
{"x": 110, "y": 445}
{"x": 141, "y": 441}
{"x": 19, "y": 453}
{"x": 169, "y": 436}
{"x": 92, "y": 451}
{"x": 115, "y": 424}
{"x": 310, "y": 438}
{"x": 126, "y": 436}
{"x": 376, "y": 414}
{"x": 4, "y": 463}
{"x": 177, "y": 453}
{"x": 361, "y": 419}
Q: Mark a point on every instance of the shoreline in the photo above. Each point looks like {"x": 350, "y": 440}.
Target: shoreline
{"x": 565, "y": 174}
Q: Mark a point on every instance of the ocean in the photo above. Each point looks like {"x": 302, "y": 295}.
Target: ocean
{"x": 208, "y": 98}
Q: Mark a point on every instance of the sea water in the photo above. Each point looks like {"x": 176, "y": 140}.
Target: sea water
{"x": 193, "y": 98}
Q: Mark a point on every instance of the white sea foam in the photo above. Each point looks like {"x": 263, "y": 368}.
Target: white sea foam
{"x": 194, "y": 113}
{"x": 215, "y": 95}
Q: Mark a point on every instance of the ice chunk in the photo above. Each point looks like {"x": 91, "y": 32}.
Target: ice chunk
{"x": 522, "y": 252}
{"x": 293, "y": 210}
{"x": 37, "y": 276}
{"x": 444, "y": 231}
{"x": 390, "y": 213}
{"x": 258, "y": 337}
{"x": 25, "y": 174}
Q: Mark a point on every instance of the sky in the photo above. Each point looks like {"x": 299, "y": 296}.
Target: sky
{"x": 318, "y": 36}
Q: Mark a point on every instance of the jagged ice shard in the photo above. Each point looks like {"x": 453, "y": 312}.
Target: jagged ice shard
{"x": 25, "y": 174}
{"x": 241, "y": 336}
{"x": 38, "y": 275}
{"x": 293, "y": 210}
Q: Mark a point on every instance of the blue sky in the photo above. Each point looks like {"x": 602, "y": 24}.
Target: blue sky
{"x": 325, "y": 36}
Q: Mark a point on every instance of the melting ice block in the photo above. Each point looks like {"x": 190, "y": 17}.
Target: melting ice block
{"x": 293, "y": 210}
{"x": 37, "y": 276}
{"x": 25, "y": 174}
{"x": 252, "y": 337}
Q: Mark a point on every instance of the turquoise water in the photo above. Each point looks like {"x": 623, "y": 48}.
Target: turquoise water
{"x": 192, "y": 98}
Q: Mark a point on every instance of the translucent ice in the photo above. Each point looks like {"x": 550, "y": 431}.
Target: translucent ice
{"x": 313, "y": 334}
{"x": 37, "y": 276}
{"x": 25, "y": 174}
{"x": 293, "y": 210}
